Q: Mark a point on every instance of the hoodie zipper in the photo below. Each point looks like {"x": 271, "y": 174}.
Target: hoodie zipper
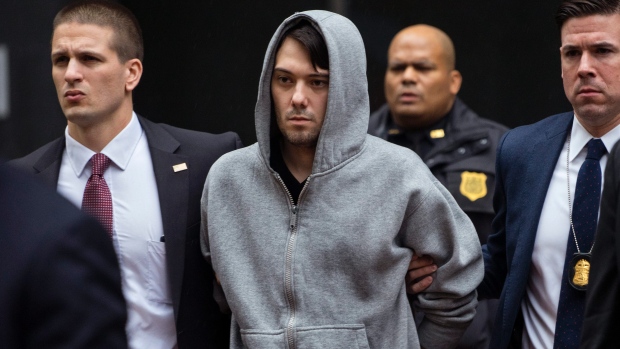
{"x": 288, "y": 272}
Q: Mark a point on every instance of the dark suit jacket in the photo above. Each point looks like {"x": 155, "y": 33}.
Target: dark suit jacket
{"x": 59, "y": 276}
{"x": 526, "y": 158}
{"x": 199, "y": 323}
{"x": 602, "y": 315}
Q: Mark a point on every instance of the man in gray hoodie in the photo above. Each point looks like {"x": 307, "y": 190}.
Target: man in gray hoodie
{"x": 311, "y": 229}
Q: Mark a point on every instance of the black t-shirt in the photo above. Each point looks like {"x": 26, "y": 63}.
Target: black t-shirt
{"x": 278, "y": 165}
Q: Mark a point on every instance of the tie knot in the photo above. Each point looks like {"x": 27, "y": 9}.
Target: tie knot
{"x": 100, "y": 164}
{"x": 596, "y": 149}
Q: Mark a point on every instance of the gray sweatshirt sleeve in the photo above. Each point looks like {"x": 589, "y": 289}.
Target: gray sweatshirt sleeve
{"x": 437, "y": 227}
{"x": 204, "y": 235}
{"x": 218, "y": 292}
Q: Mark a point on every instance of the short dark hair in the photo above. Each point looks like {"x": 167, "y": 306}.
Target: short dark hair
{"x": 581, "y": 8}
{"x": 312, "y": 40}
{"x": 127, "y": 41}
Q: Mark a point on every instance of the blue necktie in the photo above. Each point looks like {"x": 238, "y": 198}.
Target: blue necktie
{"x": 585, "y": 217}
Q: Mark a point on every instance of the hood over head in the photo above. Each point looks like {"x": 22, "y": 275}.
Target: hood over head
{"x": 346, "y": 117}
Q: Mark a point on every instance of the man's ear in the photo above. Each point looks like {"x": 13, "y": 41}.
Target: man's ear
{"x": 455, "y": 82}
{"x": 561, "y": 70}
{"x": 134, "y": 73}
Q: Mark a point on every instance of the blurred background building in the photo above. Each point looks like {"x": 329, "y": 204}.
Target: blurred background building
{"x": 203, "y": 59}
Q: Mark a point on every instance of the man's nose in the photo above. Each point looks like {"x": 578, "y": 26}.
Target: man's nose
{"x": 300, "y": 95}
{"x": 410, "y": 75}
{"x": 73, "y": 72}
{"x": 586, "y": 66}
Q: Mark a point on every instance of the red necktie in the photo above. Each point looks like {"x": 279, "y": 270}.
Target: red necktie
{"x": 97, "y": 200}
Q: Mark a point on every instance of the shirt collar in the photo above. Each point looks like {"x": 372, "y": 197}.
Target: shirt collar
{"x": 580, "y": 137}
{"x": 119, "y": 150}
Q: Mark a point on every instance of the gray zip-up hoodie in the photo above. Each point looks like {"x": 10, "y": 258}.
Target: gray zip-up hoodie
{"x": 329, "y": 272}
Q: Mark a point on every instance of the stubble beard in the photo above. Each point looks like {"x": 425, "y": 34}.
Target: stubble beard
{"x": 303, "y": 138}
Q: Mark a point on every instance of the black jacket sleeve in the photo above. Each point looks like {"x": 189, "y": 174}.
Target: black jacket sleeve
{"x": 60, "y": 283}
{"x": 602, "y": 313}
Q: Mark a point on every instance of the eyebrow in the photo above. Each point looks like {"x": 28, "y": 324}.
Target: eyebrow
{"x": 286, "y": 71}
{"x": 64, "y": 51}
{"x": 412, "y": 62}
{"x": 600, "y": 44}
{"x": 59, "y": 52}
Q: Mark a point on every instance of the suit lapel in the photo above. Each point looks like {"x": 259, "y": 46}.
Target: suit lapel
{"x": 542, "y": 159}
{"x": 528, "y": 186}
{"x": 47, "y": 167}
{"x": 173, "y": 190}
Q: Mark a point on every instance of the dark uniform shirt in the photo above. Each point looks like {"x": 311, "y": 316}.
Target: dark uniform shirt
{"x": 420, "y": 141}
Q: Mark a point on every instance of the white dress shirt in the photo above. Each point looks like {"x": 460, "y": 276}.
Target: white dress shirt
{"x": 540, "y": 304}
{"x": 137, "y": 230}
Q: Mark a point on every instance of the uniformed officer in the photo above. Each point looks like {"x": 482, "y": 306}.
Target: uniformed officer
{"x": 424, "y": 114}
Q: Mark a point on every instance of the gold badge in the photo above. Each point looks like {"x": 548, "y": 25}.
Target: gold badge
{"x": 579, "y": 271}
{"x": 473, "y": 185}
{"x": 438, "y": 133}
{"x": 582, "y": 273}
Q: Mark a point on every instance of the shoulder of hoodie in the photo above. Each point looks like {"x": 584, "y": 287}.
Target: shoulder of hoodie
{"x": 237, "y": 160}
{"x": 403, "y": 168}
{"x": 392, "y": 157}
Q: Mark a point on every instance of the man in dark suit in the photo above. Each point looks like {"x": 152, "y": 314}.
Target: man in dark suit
{"x": 538, "y": 228}
{"x": 547, "y": 190}
{"x": 59, "y": 277}
{"x": 602, "y": 315}
{"x": 152, "y": 177}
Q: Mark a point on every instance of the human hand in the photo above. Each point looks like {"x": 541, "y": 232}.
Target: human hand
{"x": 418, "y": 276}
